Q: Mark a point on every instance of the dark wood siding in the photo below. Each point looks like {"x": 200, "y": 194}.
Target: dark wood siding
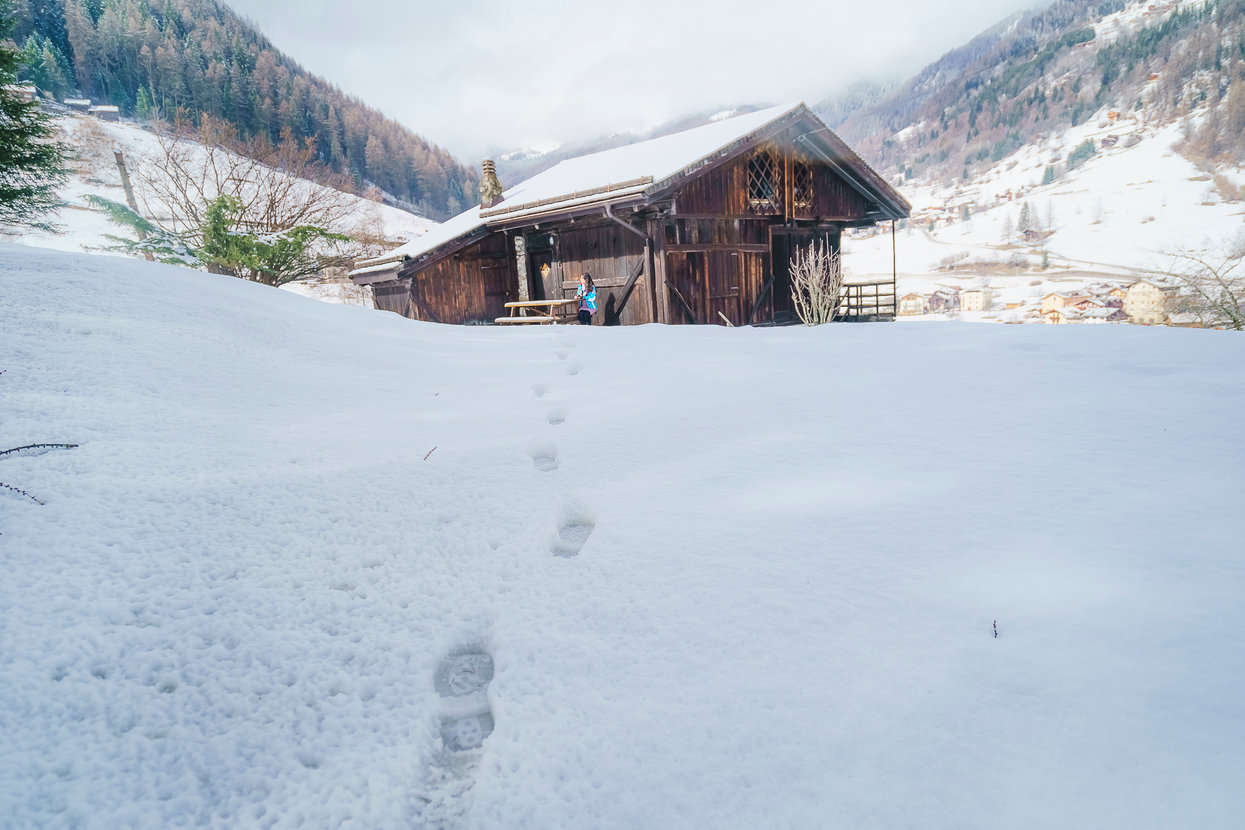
{"x": 716, "y": 286}
{"x": 392, "y": 296}
{"x": 471, "y": 286}
{"x": 723, "y": 191}
{"x": 611, "y": 254}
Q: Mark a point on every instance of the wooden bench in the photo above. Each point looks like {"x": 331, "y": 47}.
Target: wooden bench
{"x": 549, "y": 310}
{"x": 525, "y": 319}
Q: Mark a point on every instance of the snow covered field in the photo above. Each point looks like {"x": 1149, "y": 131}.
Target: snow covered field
{"x": 306, "y": 556}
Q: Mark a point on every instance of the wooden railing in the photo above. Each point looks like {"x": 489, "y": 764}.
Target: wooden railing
{"x": 867, "y": 301}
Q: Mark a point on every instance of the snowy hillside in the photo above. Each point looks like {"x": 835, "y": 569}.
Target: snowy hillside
{"x": 320, "y": 566}
{"x": 1117, "y": 217}
{"x": 95, "y": 172}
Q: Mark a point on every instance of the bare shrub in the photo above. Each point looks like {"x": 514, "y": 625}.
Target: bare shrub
{"x": 1229, "y": 190}
{"x": 1214, "y": 285}
{"x": 816, "y": 282}
{"x": 275, "y": 184}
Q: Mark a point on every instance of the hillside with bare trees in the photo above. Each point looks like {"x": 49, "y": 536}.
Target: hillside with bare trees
{"x": 184, "y": 59}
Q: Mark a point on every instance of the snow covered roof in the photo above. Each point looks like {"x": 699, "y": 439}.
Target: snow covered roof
{"x": 1100, "y": 312}
{"x": 605, "y": 177}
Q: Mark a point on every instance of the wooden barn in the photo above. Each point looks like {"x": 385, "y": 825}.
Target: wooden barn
{"x": 693, "y": 227}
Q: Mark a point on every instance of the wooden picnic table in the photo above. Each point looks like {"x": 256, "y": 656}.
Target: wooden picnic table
{"x": 519, "y": 311}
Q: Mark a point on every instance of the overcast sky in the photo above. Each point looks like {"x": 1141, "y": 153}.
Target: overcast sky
{"x": 479, "y": 77}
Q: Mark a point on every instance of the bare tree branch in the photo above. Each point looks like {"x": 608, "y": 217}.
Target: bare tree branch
{"x": 816, "y": 282}
{"x": 1214, "y": 285}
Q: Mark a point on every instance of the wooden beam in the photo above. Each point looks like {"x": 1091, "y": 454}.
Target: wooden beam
{"x": 418, "y": 299}
{"x": 661, "y": 298}
{"x": 716, "y": 247}
{"x": 760, "y": 298}
{"x": 687, "y": 309}
{"x": 626, "y": 295}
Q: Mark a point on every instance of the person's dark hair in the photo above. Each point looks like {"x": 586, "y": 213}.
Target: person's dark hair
{"x": 588, "y": 277}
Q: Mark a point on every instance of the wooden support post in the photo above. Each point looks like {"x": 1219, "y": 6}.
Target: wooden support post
{"x": 760, "y": 299}
{"x": 660, "y": 295}
{"x": 630, "y": 286}
{"x": 687, "y": 309}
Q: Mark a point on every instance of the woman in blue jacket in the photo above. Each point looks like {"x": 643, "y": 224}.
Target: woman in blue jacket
{"x": 587, "y": 296}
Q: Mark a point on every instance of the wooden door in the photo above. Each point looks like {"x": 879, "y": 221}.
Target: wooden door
{"x": 687, "y": 281}
{"x": 541, "y": 277}
{"x": 724, "y": 288}
{"x": 499, "y": 275}
{"x": 779, "y": 300}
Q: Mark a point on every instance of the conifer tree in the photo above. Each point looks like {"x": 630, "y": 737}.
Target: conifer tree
{"x": 1026, "y": 218}
{"x": 31, "y": 159}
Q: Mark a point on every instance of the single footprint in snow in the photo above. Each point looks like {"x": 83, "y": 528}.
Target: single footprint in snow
{"x": 563, "y": 354}
{"x": 540, "y": 390}
{"x": 544, "y": 456}
{"x": 557, "y": 416}
{"x": 573, "y": 368}
{"x": 444, "y": 797}
{"x": 462, "y": 681}
{"x": 573, "y": 532}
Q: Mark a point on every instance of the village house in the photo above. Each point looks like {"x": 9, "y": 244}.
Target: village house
{"x": 913, "y": 304}
{"x": 1054, "y": 300}
{"x": 694, "y": 227}
{"x": 1067, "y": 315}
{"x": 975, "y": 299}
{"x": 78, "y": 104}
{"x": 1103, "y": 315}
{"x": 105, "y": 112}
{"x": 1111, "y": 295}
{"x": 943, "y": 301}
{"x": 1149, "y": 303}
{"x": 1087, "y": 303}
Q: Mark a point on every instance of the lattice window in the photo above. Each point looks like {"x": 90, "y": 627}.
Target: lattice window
{"x": 763, "y": 183}
{"x": 801, "y": 184}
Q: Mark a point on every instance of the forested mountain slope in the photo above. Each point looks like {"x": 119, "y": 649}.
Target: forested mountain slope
{"x": 154, "y": 58}
{"x": 1052, "y": 69}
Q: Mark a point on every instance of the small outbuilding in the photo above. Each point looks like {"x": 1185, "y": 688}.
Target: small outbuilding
{"x": 694, "y": 227}
{"x": 22, "y": 92}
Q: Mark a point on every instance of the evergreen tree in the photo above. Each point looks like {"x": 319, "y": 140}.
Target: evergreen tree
{"x": 31, "y": 159}
{"x": 144, "y": 107}
{"x": 1026, "y": 218}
